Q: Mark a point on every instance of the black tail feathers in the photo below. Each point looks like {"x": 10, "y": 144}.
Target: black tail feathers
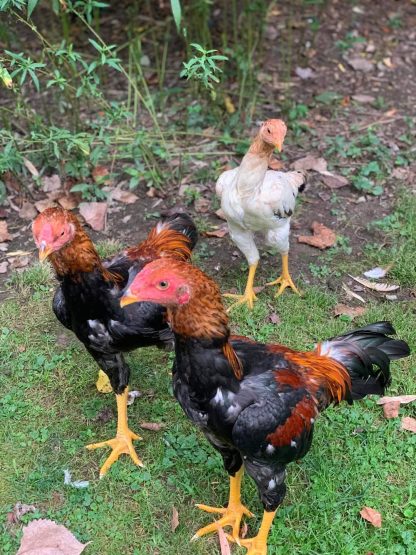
{"x": 181, "y": 222}
{"x": 366, "y": 354}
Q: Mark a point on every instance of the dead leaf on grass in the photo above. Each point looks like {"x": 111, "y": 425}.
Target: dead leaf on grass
{"x": 45, "y": 536}
{"x": 174, "y": 522}
{"x": 351, "y": 311}
{"x": 4, "y": 232}
{"x": 19, "y": 262}
{"x": 220, "y": 232}
{"x": 363, "y": 98}
{"x": 100, "y": 174}
{"x": 361, "y": 64}
{"x": 380, "y": 287}
{"x": 274, "y": 318}
{"x": 335, "y": 181}
{"x": 125, "y": 197}
{"x": 151, "y": 426}
{"x": 18, "y": 511}
{"x": 3, "y": 267}
{"x": 403, "y": 399}
{"x": 28, "y": 211}
{"x": 311, "y": 163}
{"x": 224, "y": 545}
{"x": 372, "y": 516}
{"x": 391, "y": 409}
{"x": 322, "y": 237}
{"x": 94, "y": 214}
{"x": 68, "y": 202}
{"x": 409, "y": 424}
{"x": 51, "y": 183}
{"x": 30, "y": 167}
{"x": 202, "y": 205}
{"x": 42, "y": 205}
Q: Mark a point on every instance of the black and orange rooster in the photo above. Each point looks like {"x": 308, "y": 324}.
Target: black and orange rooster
{"x": 256, "y": 403}
{"x": 87, "y": 300}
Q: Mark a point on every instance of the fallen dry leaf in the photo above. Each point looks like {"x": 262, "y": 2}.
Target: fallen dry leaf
{"x": 403, "y": 399}
{"x": 19, "y": 253}
{"x": 351, "y": 311}
{"x": 363, "y": 98}
{"x": 41, "y": 537}
{"x": 352, "y": 294}
{"x": 51, "y": 183}
{"x": 3, "y": 267}
{"x": 310, "y": 163}
{"x": 361, "y": 64}
{"x": 372, "y": 516}
{"x": 31, "y": 167}
{"x": 202, "y": 205}
{"x": 151, "y": 426}
{"x": 100, "y": 174}
{"x": 220, "y": 214}
{"x": 42, "y": 205}
{"x": 28, "y": 211}
{"x": 174, "y": 522}
{"x": 94, "y": 214}
{"x": 322, "y": 237}
{"x": 18, "y": 511}
{"x": 305, "y": 72}
{"x": 409, "y": 424}
{"x": 224, "y": 545}
{"x": 380, "y": 287}
{"x": 68, "y": 202}
{"x": 220, "y": 232}
{"x": 391, "y": 409}
{"x": 274, "y": 318}
{"x": 335, "y": 181}
{"x": 229, "y": 105}
{"x": 4, "y": 233}
{"x": 19, "y": 262}
{"x": 124, "y": 196}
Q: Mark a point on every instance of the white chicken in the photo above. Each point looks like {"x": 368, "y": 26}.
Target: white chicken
{"x": 255, "y": 199}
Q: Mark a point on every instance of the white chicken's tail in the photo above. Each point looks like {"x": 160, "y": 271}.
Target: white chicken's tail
{"x": 298, "y": 180}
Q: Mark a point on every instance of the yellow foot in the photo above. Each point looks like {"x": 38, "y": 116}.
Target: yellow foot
{"x": 103, "y": 383}
{"x": 284, "y": 281}
{"x": 122, "y": 443}
{"x": 254, "y": 546}
{"x": 248, "y": 298}
{"x": 232, "y": 516}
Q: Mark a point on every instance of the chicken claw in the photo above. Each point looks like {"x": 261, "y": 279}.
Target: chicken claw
{"x": 248, "y": 298}
{"x": 253, "y": 545}
{"x": 122, "y": 443}
{"x": 284, "y": 281}
{"x": 232, "y": 516}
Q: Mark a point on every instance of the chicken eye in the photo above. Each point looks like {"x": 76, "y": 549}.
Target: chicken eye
{"x": 163, "y": 285}
{"x": 63, "y": 233}
{"x": 268, "y": 130}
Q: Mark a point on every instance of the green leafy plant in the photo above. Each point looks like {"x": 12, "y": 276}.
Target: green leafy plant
{"x": 203, "y": 67}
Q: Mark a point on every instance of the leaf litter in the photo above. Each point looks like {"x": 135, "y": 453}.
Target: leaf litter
{"x": 372, "y": 516}
{"x": 95, "y": 214}
{"x": 42, "y": 537}
{"x": 379, "y": 287}
{"x": 322, "y": 237}
{"x": 409, "y": 424}
{"x": 391, "y": 405}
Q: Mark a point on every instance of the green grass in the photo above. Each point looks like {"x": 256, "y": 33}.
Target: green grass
{"x": 48, "y": 411}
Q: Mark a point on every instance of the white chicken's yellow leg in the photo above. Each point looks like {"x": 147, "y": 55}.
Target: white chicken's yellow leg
{"x": 249, "y": 295}
{"x": 123, "y": 442}
{"x": 284, "y": 280}
{"x": 103, "y": 383}
{"x": 258, "y": 544}
{"x": 232, "y": 514}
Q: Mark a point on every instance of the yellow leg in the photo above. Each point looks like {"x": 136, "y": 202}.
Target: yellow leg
{"x": 258, "y": 544}
{"x": 123, "y": 442}
{"x": 103, "y": 383}
{"x": 284, "y": 280}
{"x": 249, "y": 296}
{"x": 232, "y": 514}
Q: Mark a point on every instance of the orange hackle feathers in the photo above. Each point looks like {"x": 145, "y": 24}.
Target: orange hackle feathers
{"x": 322, "y": 371}
{"x": 233, "y": 360}
{"x": 162, "y": 242}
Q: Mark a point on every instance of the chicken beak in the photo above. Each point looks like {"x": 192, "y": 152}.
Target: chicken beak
{"x": 279, "y": 146}
{"x": 128, "y": 298}
{"x": 44, "y": 251}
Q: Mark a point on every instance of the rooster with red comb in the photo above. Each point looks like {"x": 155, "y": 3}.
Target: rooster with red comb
{"x": 256, "y": 403}
{"x": 87, "y": 301}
